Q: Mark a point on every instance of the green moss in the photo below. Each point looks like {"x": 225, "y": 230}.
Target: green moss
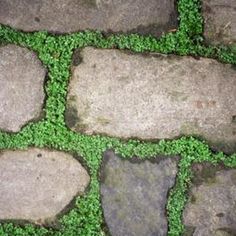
{"x": 86, "y": 218}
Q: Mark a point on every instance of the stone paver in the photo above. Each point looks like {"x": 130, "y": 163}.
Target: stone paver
{"x": 211, "y": 209}
{"x": 21, "y": 81}
{"x": 37, "y": 184}
{"x": 219, "y": 21}
{"x": 153, "y": 97}
{"x": 134, "y": 195}
{"x": 148, "y": 16}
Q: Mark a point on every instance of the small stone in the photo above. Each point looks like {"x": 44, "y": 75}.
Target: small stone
{"x": 213, "y": 211}
{"x": 22, "y": 87}
{"x": 153, "y": 96}
{"x": 219, "y": 21}
{"x": 62, "y": 16}
{"x": 37, "y": 184}
{"x": 134, "y": 195}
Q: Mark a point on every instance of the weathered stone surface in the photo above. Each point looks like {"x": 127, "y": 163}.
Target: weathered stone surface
{"x": 220, "y": 21}
{"x": 37, "y": 184}
{"x": 63, "y": 16}
{"x": 134, "y": 195}
{"x": 153, "y": 97}
{"x": 21, "y": 81}
{"x": 211, "y": 209}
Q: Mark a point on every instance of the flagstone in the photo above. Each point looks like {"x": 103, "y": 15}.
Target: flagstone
{"x": 22, "y": 94}
{"x": 64, "y": 16}
{"x": 37, "y": 184}
{"x": 134, "y": 194}
{"x": 153, "y": 96}
{"x": 219, "y": 21}
{"x": 211, "y": 208}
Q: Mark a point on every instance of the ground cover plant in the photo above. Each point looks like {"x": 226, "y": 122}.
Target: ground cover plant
{"x": 55, "y": 52}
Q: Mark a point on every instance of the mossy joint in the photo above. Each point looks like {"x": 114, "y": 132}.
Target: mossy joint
{"x": 86, "y": 217}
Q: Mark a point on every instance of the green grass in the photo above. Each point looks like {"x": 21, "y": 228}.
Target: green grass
{"x": 55, "y": 52}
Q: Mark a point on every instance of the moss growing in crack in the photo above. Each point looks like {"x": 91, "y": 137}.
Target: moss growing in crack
{"x": 55, "y": 52}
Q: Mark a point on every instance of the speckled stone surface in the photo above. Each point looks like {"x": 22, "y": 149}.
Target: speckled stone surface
{"x": 211, "y": 208}
{"x": 134, "y": 195}
{"x": 153, "y": 96}
{"x": 36, "y": 184}
{"x": 219, "y": 21}
{"x": 22, "y": 87}
{"x": 63, "y": 16}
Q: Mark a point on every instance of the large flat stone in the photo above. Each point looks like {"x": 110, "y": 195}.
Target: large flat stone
{"x": 22, "y": 92}
{"x": 37, "y": 184}
{"x": 134, "y": 195}
{"x": 211, "y": 209}
{"x": 153, "y": 97}
{"x": 219, "y": 21}
{"x": 63, "y": 16}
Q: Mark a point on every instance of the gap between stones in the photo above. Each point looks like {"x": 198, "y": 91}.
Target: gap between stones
{"x": 186, "y": 147}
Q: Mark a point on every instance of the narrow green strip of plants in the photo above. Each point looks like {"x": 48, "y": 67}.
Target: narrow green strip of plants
{"x": 86, "y": 218}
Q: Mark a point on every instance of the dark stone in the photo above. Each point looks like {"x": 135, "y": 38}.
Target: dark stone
{"x": 134, "y": 195}
{"x": 219, "y": 21}
{"x": 213, "y": 211}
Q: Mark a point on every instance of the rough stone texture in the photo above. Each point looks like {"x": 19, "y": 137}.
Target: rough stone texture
{"x": 134, "y": 195}
{"x": 21, "y": 81}
{"x": 63, "y": 16}
{"x": 37, "y": 184}
{"x": 211, "y": 209}
{"x": 153, "y": 97}
{"x": 220, "y": 21}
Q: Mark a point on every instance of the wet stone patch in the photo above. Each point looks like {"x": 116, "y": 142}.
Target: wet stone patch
{"x": 153, "y": 96}
{"x": 219, "y": 21}
{"x": 37, "y": 184}
{"x": 134, "y": 194}
{"x": 211, "y": 208}
{"x": 22, "y": 87}
{"x": 148, "y": 16}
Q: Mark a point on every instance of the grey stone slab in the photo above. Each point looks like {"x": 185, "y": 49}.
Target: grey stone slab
{"x": 36, "y": 184}
{"x": 22, "y": 87}
{"x": 134, "y": 195}
{"x": 219, "y": 21}
{"x": 64, "y": 16}
{"x": 211, "y": 208}
{"x": 153, "y": 97}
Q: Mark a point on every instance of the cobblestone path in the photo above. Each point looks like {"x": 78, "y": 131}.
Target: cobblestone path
{"x": 118, "y": 117}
